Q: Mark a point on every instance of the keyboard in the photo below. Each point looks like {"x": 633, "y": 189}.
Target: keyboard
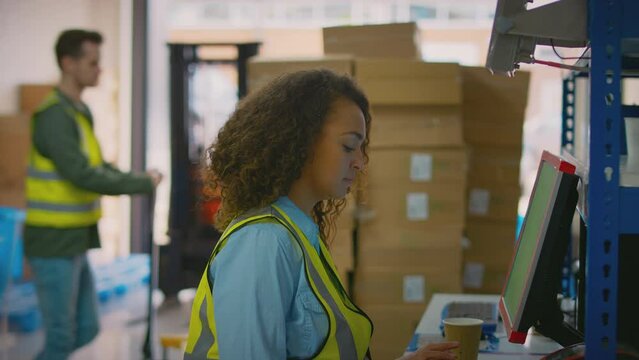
{"x": 485, "y": 311}
{"x": 477, "y": 310}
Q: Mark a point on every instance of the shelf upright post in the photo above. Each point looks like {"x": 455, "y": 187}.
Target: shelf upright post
{"x": 605, "y": 22}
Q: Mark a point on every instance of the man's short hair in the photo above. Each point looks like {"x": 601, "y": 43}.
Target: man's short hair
{"x": 70, "y": 43}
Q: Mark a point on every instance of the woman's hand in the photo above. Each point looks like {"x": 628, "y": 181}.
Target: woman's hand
{"x": 434, "y": 351}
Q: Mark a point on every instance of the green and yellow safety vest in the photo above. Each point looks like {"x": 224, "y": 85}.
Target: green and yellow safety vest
{"x": 350, "y": 329}
{"x": 53, "y": 201}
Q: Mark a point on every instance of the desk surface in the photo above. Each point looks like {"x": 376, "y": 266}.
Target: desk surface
{"x": 535, "y": 347}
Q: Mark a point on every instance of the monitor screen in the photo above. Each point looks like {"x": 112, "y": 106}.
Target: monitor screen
{"x": 528, "y": 248}
{"x": 534, "y": 279}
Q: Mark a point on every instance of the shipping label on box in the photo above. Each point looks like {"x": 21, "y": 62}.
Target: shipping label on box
{"x": 414, "y": 288}
{"x": 401, "y": 166}
{"x": 388, "y": 286}
{"x": 421, "y": 167}
{"x": 479, "y": 202}
{"x": 482, "y": 279}
{"x": 417, "y": 206}
{"x": 473, "y": 275}
{"x": 493, "y": 203}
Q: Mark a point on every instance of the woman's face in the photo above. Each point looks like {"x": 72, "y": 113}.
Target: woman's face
{"x": 337, "y": 155}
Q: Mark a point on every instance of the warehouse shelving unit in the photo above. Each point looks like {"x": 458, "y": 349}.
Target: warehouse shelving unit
{"x": 608, "y": 209}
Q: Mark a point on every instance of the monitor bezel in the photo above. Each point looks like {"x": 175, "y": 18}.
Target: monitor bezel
{"x": 511, "y": 322}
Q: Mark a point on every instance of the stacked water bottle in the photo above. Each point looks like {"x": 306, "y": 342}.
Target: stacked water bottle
{"x": 122, "y": 276}
{"x": 18, "y": 300}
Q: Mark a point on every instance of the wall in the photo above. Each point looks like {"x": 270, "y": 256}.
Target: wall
{"x": 28, "y": 31}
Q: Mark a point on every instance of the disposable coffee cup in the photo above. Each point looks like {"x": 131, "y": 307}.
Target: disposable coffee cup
{"x": 467, "y": 332}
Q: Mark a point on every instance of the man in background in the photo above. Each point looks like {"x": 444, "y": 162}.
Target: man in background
{"x": 65, "y": 179}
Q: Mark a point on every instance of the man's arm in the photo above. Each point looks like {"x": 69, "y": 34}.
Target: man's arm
{"x": 56, "y": 136}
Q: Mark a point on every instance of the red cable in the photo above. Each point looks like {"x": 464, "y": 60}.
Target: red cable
{"x": 561, "y": 66}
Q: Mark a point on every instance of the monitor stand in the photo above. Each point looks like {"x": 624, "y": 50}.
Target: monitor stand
{"x": 552, "y": 325}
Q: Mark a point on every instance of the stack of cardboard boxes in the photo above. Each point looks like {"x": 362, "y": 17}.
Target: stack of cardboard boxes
{"x": 342, "y": 244}
{"x": 411, "y": 220}
{"x": 14, "y": 149}
{"x": 494, "y": 109}
{"x": 15, "y": 140}
{"x": 412, "y": 217}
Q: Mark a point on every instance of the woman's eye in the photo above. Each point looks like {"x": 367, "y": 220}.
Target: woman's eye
{"x": 348, "y": 148}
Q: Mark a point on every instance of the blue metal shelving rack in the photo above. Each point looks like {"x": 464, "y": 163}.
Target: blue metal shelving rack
{"x": 610, "y": 209}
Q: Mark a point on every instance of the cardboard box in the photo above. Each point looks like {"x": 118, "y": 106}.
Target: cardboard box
{"x": 394, "y": 328}
{"x": 493, "y": 202}
{"x": 399, "y": 237}
{"x": 261, "y": 71}
{"x": 342, "y": 250}
{"x": 32, "y": 95}
{"x": 491, "y": 243}
{"x": 417, "y": 206}
{"x": 396, "y": 166}
{"x": 15, "y": 141}
{"x": 482, "y": 87}
{"x": 399, "y": 40}
{"x": 389, "y": 286}
{"x": 484, "y": 133}
{"x": 433, "y": 258}
{"x": 409, "y": 82}
{"x": 495, "y": 165}
{"x": 346, "y": 219}
{"x": 494, "y": 107}
{"x": 481, "y": 278}
{"x": 14, "y": 198}
{"x": 345, "y": 277}
{"x": 396, "y": 126}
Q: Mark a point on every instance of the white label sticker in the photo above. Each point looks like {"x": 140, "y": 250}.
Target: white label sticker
{"x": 414, "y": 288}
{"x": 421, "y": 167}
{"x": 479, "y": 202}
{"x": 417, "y": 206}
{"x": 473, "y": 275}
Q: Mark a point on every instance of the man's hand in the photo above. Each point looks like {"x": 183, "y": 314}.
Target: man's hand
{"x": 156, "y": 176}
{"x": 434, "y": 351}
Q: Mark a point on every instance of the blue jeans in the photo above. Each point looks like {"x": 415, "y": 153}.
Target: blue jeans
{"x": 67, "y": 299}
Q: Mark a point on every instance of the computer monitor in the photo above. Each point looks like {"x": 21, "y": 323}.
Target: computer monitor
{"x": 530, "y": 293}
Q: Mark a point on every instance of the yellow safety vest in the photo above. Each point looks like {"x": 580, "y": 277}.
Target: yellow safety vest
{"x": 53, "y": 201}
{"x": 350, "y": 329}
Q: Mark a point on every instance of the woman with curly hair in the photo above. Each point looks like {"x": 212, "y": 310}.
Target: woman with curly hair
{"x": 284, "y": 162}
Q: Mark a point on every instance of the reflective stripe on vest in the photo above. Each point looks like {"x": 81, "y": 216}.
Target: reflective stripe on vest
{"x": 51, "y": 200}
{"x": 349, "y": 330}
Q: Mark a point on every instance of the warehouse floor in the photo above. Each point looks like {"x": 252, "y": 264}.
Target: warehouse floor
{"x": 123, "y": 329}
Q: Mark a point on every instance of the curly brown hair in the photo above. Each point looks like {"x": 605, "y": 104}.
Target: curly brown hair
{"x": 262, "y": 148}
